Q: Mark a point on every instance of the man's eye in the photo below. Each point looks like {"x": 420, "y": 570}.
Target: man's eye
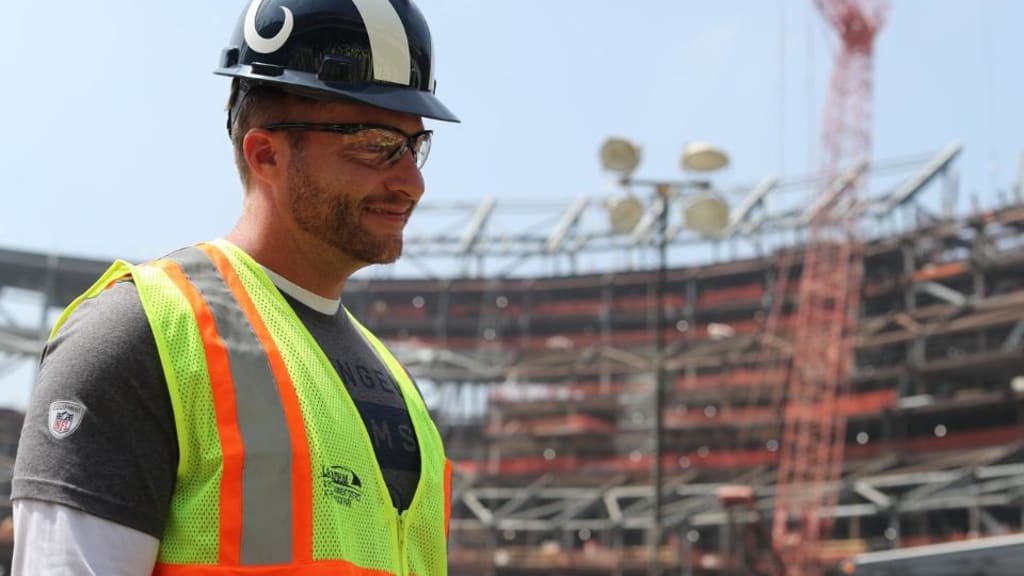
{"x": 385, "y": 149}
{"x": 376, "y": 147}
{"x": 382, "y": 141}
{"x": 374, "y": 155}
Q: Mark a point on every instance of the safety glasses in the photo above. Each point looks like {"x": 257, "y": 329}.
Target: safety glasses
{"x": 378, "y": 145}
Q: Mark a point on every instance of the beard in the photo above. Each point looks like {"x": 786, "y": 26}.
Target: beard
{"x": 335, "y": 219}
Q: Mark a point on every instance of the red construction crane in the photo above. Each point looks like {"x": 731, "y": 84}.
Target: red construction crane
{"x": 811, "y": 458}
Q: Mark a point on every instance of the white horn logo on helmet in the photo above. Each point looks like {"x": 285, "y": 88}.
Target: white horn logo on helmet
{"x": 259, "y": 43}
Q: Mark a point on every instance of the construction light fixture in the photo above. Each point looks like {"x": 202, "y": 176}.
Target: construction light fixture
{"x": 705, "y": 212}
{"x": 625, "y": 213}
{"x": 621, "y": 156}
{"x": 703, "y": 157}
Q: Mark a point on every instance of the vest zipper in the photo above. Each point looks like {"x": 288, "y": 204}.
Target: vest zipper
{"x": 403, "y": 562}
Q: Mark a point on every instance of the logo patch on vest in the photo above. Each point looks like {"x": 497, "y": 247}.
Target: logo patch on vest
{"x": 65, "y": 418}
{"x": 342, "y": 484}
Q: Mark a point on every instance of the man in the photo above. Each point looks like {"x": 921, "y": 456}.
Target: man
{"x": 217, "y": 411}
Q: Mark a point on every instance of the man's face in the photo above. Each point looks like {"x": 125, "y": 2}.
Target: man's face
{"x": 341, "y": 196}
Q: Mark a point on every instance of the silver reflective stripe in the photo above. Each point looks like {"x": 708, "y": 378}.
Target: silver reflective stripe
{"x": 266, "y": 476}
{"x": 389, "y": 43}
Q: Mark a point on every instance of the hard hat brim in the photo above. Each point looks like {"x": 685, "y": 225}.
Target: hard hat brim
{"x": 396, "y": 98}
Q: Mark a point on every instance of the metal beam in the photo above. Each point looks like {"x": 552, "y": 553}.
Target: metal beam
{"x": 680, "y": 511}
{"x": 755, "y": 198}
{"x": 694, "y": 502}
{"x": 477, "y": 508}
{"x": 1013, "y": 339}
{"x": 922, "y": 178}
{"x": 21, "y": 342}
{"x": 540, "y": 512}
{"x": 873, "y": 495}
{"x": 589, "y": 500}
{"x": 572, "y": 217}
{"x": 1000, "y": 470}
{"x": 942, "y": 293}
{"x": 835, "y": 191}
{"x": 523, "y": 496}
{"x": 476, "y": 225}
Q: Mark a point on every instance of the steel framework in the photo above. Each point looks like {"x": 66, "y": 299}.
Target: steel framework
{"x": 553, "y": 470}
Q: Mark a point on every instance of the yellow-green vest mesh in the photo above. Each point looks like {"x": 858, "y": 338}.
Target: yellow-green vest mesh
{"x": 365, "y": 534}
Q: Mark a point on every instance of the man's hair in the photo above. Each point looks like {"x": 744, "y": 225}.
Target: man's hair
{"x": 260, "y": 105}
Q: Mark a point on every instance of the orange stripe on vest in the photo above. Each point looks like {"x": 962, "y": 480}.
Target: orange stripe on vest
{"x": 227, "y": 419}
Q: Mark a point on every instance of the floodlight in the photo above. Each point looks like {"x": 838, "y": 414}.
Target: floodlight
{"x": 625, "y": 213}
{"x": 620, "y": 155}
{"x": 707, "y": 214}
{"x": 703, "y": 157}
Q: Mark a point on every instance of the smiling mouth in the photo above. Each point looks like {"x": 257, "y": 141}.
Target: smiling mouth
{"x": 396, "y": 213}
{"x": 393, "y": 218}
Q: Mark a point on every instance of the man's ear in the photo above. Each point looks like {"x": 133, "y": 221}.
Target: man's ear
{"x": 266, "y": 154}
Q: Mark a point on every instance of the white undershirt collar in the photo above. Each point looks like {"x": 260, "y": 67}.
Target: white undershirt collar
{"x": 315, "y": 301}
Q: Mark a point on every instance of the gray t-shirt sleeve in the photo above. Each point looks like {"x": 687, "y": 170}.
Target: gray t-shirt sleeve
{"x": 118, "y": 458}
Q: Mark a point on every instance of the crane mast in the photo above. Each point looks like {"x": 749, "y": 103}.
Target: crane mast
{"x": 814, "y": 428}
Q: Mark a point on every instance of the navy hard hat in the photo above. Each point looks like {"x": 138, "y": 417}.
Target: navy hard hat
{"x": 376, "y": 52}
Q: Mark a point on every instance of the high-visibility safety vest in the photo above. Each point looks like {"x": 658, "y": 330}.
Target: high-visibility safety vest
{"x": 277, "y": 473}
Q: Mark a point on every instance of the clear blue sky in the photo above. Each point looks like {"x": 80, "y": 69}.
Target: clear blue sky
{"x": 114, "y": 141}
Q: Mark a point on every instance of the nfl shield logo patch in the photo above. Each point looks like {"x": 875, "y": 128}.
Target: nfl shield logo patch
{"x": 65, "y": 417}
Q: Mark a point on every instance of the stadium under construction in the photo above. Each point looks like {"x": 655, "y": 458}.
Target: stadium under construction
{"x": 539, "y": 352}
